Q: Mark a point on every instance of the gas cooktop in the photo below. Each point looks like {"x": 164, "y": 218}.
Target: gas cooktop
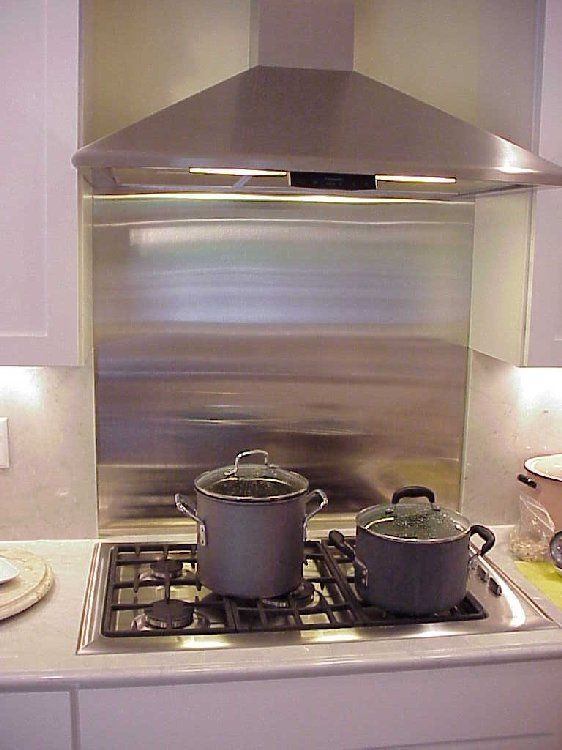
{"x": 147, "y": 597}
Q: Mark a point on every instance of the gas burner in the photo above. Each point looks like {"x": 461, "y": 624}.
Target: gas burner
{"x": 201, "y": 624}
{"x": 301, "y": 597}
{"x": 169, "y": 614}
{"x": 166, "y": 569}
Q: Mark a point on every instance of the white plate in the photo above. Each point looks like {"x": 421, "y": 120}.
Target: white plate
{"x": 8, "y": 570}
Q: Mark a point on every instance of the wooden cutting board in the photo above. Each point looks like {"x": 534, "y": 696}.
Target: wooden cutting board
{"x": 34, "y": 580}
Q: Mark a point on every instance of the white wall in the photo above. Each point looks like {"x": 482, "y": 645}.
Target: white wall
{"x": 49, "y": 490}
{"x": 472, "y": 58}
{"x": 142, "y": 55}
{"x": 513, "y": 413}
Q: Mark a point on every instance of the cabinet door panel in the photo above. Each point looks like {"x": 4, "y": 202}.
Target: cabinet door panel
{"x": 545, "y": 308}
{"x": 484, "y": 705}
{"x": 536, "y": 742}
{"x": 39, "y": 293}
{"x": 35, "y": 721}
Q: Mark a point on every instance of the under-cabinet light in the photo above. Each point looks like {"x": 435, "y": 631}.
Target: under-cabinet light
{"x": 414, "y": 178}
{"x": 235, "y": 172}
{"x": 268, "y": 198}
{"x": 22, "y": 384}
{"x": 539, "y": 387}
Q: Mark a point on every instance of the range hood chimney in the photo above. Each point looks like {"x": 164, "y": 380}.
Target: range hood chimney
{"x": 300, "y": 120}
{"x": 317, "y": 34}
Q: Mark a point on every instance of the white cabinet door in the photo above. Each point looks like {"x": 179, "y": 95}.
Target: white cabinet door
{"x": 39, "y": 281}
{"x": 493, "y": 707}
{"x": 35, "y": 721}
{"x": 544, "y": 346}
{"x": 517, "y": 271}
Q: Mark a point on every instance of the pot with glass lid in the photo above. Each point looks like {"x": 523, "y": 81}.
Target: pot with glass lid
{"x": 251, "y": 527}
{"x": 412, "y": 558}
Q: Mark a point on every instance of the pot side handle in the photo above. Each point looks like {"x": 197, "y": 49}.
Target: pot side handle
{"x": 338, "y": 540}
{"x": 527, "y": 480}
{"x": 182, "y": 504}
{"x": 485, "y": 534}
{"x": 322, "y": 504}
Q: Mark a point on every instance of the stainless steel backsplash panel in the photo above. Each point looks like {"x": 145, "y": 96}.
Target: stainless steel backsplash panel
{"x": 334, "y": 337}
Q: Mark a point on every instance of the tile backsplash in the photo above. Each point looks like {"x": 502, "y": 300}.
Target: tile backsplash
{"x": 513, "y": 413}
{"x": 49, "y": 491}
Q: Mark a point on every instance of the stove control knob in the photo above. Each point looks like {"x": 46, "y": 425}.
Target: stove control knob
{"x": 495, "y": 587}
{"x": 556, "y": 550}
{"x": 482, "y": 574}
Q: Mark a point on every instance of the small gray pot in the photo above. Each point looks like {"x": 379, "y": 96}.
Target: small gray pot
{"x": 412, "y": 559}
{"x": 251, "y": 527}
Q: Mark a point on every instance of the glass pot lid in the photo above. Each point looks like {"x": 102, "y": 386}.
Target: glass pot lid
{"x": 413, "y": 521}
{"x": 242, "y": 482}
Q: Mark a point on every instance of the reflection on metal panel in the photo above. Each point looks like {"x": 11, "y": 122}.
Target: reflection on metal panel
{"x": 335, "y": 338}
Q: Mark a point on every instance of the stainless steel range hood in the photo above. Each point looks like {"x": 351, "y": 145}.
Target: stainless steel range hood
{"x": 307, "y": 120}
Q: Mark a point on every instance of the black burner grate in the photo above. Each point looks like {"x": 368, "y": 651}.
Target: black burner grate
{"x": 138, "y": 578}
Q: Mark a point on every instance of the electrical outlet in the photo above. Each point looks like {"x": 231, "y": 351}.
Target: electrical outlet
{"x": 4, "y": 445}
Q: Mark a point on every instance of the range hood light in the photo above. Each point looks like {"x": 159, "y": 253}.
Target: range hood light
{"x": 414, "y": 178}
{"x": 235, "y": 172}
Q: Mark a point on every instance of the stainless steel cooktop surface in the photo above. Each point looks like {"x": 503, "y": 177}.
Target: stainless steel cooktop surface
{"x": 147, "y": 597}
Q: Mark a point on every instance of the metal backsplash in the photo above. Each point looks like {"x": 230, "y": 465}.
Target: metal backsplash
{"x": 333, "y": 337}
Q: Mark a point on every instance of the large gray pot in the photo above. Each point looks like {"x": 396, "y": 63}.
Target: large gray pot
{"x": 251, "y": 527}
{"x": 409, "y": 558}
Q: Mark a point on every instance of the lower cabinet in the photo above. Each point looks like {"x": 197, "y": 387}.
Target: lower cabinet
{"x": 35, "y": 721}
{"x": 494, "y": 707}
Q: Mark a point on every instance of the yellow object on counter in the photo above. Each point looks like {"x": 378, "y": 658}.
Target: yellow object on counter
{"x": 544, "y": 576}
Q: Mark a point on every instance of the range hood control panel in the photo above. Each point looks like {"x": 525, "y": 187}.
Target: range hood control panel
{"x": 332, "y": 181}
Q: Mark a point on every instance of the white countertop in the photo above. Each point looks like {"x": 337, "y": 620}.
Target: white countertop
{"x": 38, "y": 646}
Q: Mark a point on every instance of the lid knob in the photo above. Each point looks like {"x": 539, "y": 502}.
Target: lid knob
{"x": 245, "y": 454}
{"x": 413, "y": 491}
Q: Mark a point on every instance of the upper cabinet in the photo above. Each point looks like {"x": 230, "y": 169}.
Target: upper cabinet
{"x": 544, "y": 345}
{"x": 40, "y": 295}
{"x": 517, "y": 269}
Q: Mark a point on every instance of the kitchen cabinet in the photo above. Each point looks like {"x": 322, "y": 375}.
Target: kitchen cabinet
{"x": 40, "y": 295}
{"x": 487, "y": 707}
{"x": 35, "y": 720}
{"x": 545, "y": 304}
{"x": 517, "y": 268}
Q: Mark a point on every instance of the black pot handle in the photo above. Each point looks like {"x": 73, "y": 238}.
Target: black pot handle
{"x": 527, "y": 480}
{"x": 485, "y": 534}
{"x": 414, "y": 491}
{"x": 362, "y": 571}
{"x": 338, "y": 540}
